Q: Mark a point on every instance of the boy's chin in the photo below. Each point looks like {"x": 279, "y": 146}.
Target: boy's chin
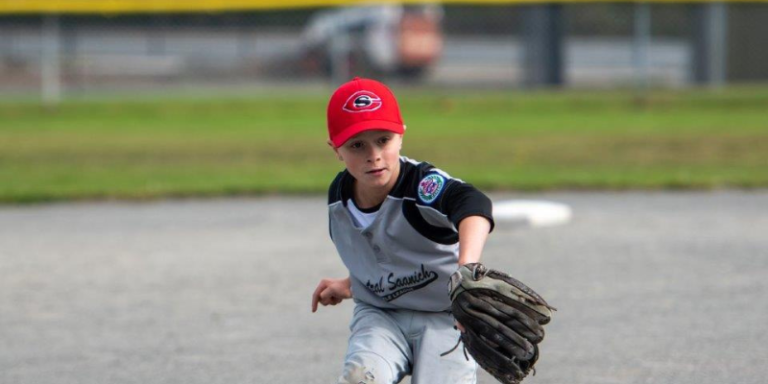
{"x": 374, "y": 182}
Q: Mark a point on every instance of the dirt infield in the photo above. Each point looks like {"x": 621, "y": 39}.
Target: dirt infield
{"x": 650, "y": 287}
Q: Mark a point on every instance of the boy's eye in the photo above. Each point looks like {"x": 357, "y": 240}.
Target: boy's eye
{"x": 356, "y": 145}
{"x": 383, "y": 139}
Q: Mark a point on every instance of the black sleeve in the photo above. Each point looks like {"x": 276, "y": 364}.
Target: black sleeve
{"x": 334, "y": 190}
{"x": 435, "y": 203}
{"x": 334, "y": 195}
{"x": 462, "y": 200}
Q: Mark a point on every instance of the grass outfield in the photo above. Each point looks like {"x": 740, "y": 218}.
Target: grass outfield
{"x": 129, "y": 148}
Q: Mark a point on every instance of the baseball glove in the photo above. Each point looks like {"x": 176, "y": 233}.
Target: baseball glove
{"x": 502, "y": 320}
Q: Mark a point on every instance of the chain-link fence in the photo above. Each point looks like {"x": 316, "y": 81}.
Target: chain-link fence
{"x": 570, "y": 45}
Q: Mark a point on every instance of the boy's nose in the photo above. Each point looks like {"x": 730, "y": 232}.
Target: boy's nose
{"x": 374, "y": 154}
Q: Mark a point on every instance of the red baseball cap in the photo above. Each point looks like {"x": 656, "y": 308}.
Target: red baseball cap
{"x": 361, "y": 105}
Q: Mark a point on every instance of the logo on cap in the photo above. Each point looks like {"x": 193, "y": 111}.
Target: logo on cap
{"x": 362, "y": 101}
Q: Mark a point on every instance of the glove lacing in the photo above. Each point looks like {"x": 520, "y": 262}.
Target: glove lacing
{"x": 464, "y": 348}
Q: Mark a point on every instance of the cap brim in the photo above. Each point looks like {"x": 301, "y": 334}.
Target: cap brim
{"x": 368, "y": 125}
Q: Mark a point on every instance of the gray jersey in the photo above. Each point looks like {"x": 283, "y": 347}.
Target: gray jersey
{"x": 404, "y": 258}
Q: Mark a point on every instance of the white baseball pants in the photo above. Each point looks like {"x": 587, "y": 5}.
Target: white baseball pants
{"x": 388, "y": 344}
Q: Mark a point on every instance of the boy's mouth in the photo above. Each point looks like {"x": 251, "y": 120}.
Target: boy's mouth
{"x": 376, "y": 171}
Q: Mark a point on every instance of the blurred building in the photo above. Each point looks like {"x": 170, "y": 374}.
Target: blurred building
{"x": 571, "y": 45}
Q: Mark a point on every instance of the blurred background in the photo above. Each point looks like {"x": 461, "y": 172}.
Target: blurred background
{"x": 135, "y": 99}
{"x": 472, "y": 44}
{"x": 140, "y": 99}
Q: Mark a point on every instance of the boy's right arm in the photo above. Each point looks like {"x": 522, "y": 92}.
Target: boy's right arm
{"x": 331, "y": 292}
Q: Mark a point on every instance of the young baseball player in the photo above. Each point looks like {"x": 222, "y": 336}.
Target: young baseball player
{"x": 401, "y": 227}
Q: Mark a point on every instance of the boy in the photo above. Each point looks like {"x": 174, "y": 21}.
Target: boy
{"x": 396, "y": 223}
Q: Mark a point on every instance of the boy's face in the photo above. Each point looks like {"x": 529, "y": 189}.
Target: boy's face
{"x": 372, "y": 157}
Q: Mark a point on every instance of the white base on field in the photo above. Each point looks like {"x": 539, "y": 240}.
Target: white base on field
{"x": 534, "y": 213}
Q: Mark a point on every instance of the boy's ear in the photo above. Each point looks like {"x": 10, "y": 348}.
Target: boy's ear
{"x": 335, "y": 150}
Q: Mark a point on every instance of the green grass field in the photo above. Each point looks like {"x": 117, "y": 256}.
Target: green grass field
{"x": 225, "y": 145}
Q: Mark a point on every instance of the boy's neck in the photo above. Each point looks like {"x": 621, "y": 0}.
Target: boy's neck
{"x": 368, "y": 199}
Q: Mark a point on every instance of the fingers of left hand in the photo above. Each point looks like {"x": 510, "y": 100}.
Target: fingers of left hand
{"x": 329, "y": 299}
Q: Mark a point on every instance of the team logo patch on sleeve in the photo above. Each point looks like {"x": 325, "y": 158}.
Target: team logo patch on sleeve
{"x": 430, "y": 187}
